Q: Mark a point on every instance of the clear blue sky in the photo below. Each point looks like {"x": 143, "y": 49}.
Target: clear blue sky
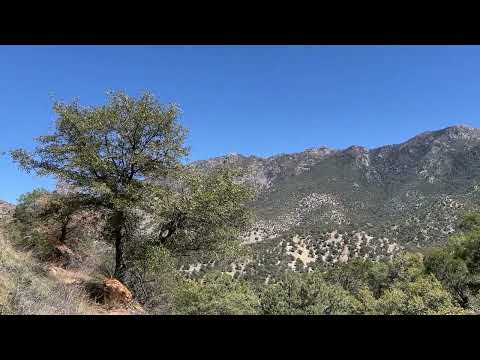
{"x": 257, "y": 100}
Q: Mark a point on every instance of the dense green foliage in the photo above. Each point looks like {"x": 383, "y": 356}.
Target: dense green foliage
{"x": 410, "y": 284}
{"x": 306, "y": 294}
{"x": 216, "y": 294}
{"x": 398, "y": 287}
{"x": 457, "y": 266}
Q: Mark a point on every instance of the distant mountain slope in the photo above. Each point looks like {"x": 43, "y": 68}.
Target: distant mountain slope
{"x": 408, "y": 194}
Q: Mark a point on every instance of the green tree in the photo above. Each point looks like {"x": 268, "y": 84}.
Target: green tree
{"x": 457, "y": 265}
{"x": 204, "y": 216}
{"x": 359, "y": 274}
{"x": 451, "y": 271}
{"x": 406, "y": 267}
{"x": 125, "y": 159}
{"x": 470, "y": 222}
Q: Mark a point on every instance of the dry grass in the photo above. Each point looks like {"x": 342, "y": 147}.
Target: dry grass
{"x": 25, "y": 287}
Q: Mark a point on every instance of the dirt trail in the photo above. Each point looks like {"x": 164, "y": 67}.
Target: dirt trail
{"x": 77, "y": 278}
{"x": 67, "y": 276}
{"x": 70, "y": 277}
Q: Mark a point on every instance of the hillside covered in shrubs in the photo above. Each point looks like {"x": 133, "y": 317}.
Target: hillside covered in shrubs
{"x": 37, "y": 278}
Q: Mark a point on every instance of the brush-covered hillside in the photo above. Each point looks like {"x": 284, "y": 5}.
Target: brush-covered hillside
{"x": 327, "y": 205}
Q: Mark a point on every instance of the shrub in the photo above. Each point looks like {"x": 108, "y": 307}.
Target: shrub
{"x": 27, "y": 231}
{"x": 423, "y": 296}
{"x": 306, "y": 294}
{"x": 216, "y": 294}
{"x": 24, "y": 288}
{"x": 357, "y": 274}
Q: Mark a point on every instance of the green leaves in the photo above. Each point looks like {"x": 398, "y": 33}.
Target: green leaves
{"x": 306, "y": 294}
{"x": 203, "y": 213}
{"x": 457, "y": 265}
{"x": 216, "y": 294}
{"x": 424, "y": 296}
{"x": 109, "y": 149}
{"x": 470, "y": 222}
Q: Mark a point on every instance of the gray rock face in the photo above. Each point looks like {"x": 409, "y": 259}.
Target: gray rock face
{"x": 263, "y": 172}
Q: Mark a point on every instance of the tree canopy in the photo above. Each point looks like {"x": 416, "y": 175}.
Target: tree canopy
{"x": 125, "y": 158}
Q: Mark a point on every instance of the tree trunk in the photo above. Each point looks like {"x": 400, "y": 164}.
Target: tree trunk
{"x": 118, "y": 223}
{"x": 63, "y": 230}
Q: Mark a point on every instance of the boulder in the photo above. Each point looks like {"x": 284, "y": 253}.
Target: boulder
{"x": 116, "y": 293}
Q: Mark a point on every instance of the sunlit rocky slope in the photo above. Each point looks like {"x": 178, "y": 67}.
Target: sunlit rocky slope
{"x": 327, "y": 205}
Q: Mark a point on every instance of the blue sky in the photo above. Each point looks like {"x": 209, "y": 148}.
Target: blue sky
{"x": 257, "y": 100}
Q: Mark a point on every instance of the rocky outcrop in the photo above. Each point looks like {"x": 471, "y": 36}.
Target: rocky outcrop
{"x": 6, "y": 210}
{"x": 115, "y": 293}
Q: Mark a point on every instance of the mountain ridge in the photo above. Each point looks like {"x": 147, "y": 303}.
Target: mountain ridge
{"x": 448, "y": 129}
{"x": 394, "y": 196}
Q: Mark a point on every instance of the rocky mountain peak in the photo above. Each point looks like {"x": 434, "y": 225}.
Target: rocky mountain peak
{"x": 322, "y": 150}
{"x": 453, "y": 132}
{"x": 461, "y": 131}
{"x": 356, "y": 150}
